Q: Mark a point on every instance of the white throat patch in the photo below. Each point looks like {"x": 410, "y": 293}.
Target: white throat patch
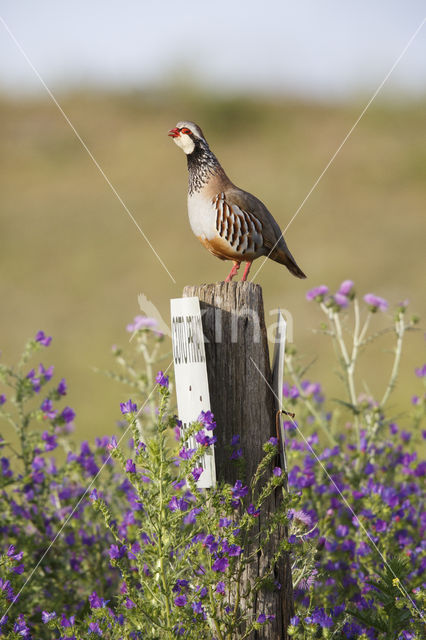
{"x": 185, "y": 142}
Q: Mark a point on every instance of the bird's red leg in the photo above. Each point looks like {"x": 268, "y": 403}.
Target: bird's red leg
{"x": 246, "y": 271}
{"x": 233, "y": 271}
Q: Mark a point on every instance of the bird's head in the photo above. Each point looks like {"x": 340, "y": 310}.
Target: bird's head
{"x": 187, "y": 135}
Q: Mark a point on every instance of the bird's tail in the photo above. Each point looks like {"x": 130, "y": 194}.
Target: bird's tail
{"x": 285, "y": 258}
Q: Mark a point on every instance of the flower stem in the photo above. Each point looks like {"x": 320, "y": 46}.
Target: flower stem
{"x": 399, "y": 330}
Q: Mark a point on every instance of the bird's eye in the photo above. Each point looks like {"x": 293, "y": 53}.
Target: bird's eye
{"x": 186, "y": 131}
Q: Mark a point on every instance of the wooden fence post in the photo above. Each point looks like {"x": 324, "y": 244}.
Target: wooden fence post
{"x": 243, "y": 404}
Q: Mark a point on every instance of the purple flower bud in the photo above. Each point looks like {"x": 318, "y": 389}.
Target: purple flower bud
{"x": 341, "y": 300}
{"x": 47, "y": 408}
{"x": 375, "y": 302}
{"x": 95, "y": 601}
{"x": 346, "y": 287}
{"x": 238, "y": 490}
{"x": 43, "y": 339}
{"x": 128, "y": 407}
{"x": 67, "y": 415}
{"x": 129, "y": 604}
{"x": 277, "y": 471}
{"x": 225, "y": 522}
{"x": 196, "y": 473}
{"x": 50, "y": 441}
{"x": 206, "y": 418}
{"x": 2, "y": 398}
{"x": 47, "y": 617}
{"x": 317, "y": 293}
{"x": 112, "y": 444}
{"x": 180, "y": 601}
{"x": 141, "y": 322}
{"x": 46, "y": 374}
{"x": 130, "y": 466}
{"x": 62, "y": 388}
{"x": 220, "y": 564}
{"x": 252, "y": 511}
{"x": 162, "y": 380}
{"x": 115, "y": 552}
{"x": 220, "y": 588}
{"x": 421, "y": 371}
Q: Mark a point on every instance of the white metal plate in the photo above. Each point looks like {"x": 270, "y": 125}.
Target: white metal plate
{"x": 192, "y": 387}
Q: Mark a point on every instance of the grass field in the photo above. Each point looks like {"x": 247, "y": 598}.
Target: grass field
{"x": 73, "y": 262}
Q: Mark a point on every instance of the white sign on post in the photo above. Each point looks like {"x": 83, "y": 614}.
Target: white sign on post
{"x": 192, "y": 387}
{"x": 277, "y": 377}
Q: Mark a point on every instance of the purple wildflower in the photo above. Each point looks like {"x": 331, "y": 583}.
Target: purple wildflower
{"x": 95, "y": 601}
{"x": 206, "y": 418}
{"x": 220, "y": 588}
{"x": 49, "y": 440}
{"x": 225, "y": 522}
{"x": 67, "y": 622}
{"x": 43, "y": 339}
{"x": 180, "y": 601}
{"x": 301, "y": 516}
{"x": 2, "y": 398}
{"x": 277, "y": 471}
{"x": 320, "y": 617}
{"x": 196, "y": 473}
{"x": 202, "y": 438}
{"x": 130, "y": 466}
{"x": 47, "y": 617}
{"x": 317, "y": 293}
{"x": 220, "y": 564}
{"x": 346, "y": 287}
{"x": 67, "y": 415}
{"x": 62, "y": 388}
{"x": 47, "y": 408}
{"x": 129, "y": 604}
{"x": 252, "y": 511}
{"x": 115, "y": 552}
{"x": 162, "y": 380}
{"x": 191, "y": 517}
{"x": 46, "y": 374}
{"x": 141, "y": 322}
{"x": 375, "y": 302}
{"x": 238, "y": 490}
{"x": 340, "y": 300}
{"x": 112, "y": 444}
{"x": 128, "y": 407}
{"x": 178, "y": 504}
{"x": 421, "y": 371}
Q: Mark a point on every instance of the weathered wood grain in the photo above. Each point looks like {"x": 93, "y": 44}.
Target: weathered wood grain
{"x": 243, "y": 404}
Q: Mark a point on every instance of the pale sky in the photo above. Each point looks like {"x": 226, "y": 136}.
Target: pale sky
{"x": 314, "y": 48}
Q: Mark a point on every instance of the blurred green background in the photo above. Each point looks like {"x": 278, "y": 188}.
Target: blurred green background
{"x": 276, "y": 91}
{"x": 73, "y": 263}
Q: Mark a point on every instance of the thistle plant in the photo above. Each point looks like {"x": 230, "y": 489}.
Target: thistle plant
{"x": 348, "y": 343}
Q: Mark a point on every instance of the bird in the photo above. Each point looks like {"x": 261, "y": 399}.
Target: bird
{"x": 230, "y": 222}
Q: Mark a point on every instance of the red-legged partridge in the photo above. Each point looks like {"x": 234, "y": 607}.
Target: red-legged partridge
{"x": 231, "y": 223}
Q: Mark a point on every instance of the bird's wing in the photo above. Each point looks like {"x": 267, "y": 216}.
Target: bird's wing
{"x": 274, "y": 244}
{"x": 238, "y": 227}
{"x": 271, "y": 232}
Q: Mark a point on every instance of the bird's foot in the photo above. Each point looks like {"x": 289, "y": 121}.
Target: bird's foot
{"x": 233, "y": 272}
{"x": 246, "y": 271}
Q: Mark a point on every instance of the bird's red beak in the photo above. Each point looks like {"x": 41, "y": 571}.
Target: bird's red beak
{"x": 174, "y": 132}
